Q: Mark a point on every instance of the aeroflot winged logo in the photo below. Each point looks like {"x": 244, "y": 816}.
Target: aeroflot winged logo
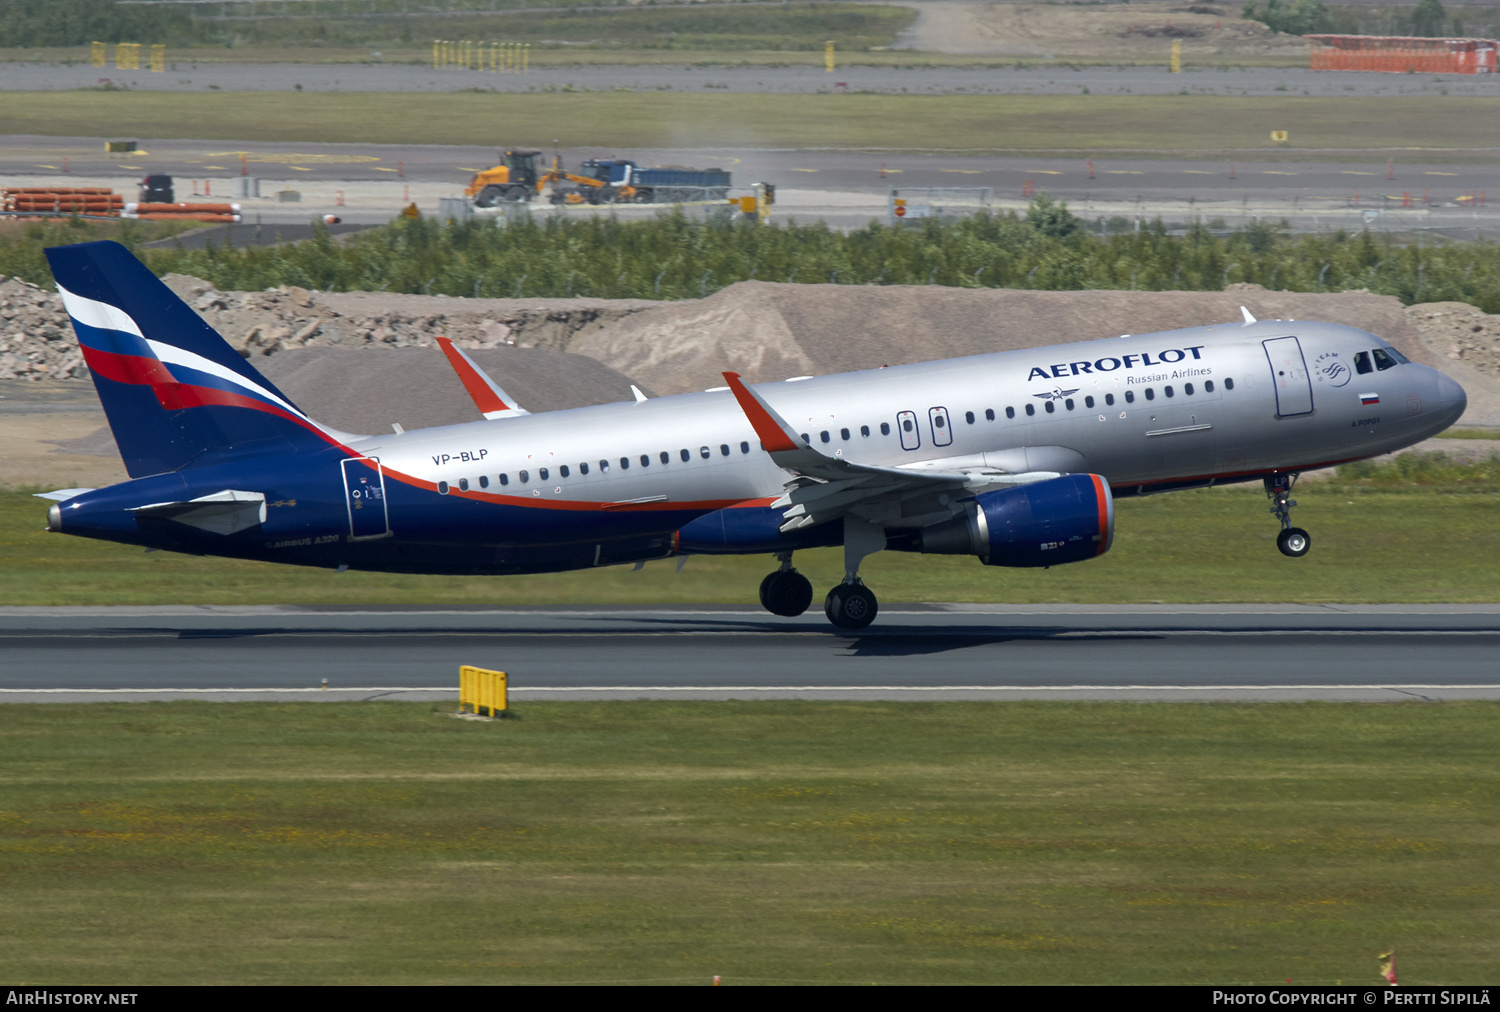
{"x": 1170, "y": 356}
{"x": 1056, "y": 394}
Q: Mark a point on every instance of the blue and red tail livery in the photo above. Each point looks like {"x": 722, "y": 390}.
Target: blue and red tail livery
{"x": 988, "y": 456}
{"x": 174, "y": 391}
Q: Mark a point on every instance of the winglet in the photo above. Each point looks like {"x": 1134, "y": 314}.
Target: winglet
{"x": 775, "y": 434}
{"x": 639, "y": 397}
{"x": 492, "y": 401}
{"x": 1248, "y": 317}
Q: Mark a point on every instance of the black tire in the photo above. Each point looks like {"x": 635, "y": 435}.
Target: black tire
{"x": 787, "y": 594}
{"x": 490, "y": 196}
{"x": 644, "y": 196}
{"x": 517, "y": 195}
{"x": 851, "y": 606}
{"x": 606, "y": 195}
{"x": 765, "y": 591}
{"x": 1293, "y": 542}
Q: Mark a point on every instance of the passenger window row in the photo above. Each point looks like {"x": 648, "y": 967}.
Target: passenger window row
{"x": 523, "y": 477}
{"x": 826, "y": 436}
{"x": 1048, "y": 406}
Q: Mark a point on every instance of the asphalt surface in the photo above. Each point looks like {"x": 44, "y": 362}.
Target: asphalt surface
{"x": 367, "y": 184}
{"x": 1266, "y": 652}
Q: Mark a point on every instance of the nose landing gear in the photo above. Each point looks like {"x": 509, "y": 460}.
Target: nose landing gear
{"x": 785, "y": 592}
{"x": 1292, "y": 541}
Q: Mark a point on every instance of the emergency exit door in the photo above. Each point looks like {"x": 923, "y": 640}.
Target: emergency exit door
{"x": 1289, "y": 373}
{"x": 364, "y": 494}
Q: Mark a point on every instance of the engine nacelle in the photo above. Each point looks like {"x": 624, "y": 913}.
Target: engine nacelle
{"x": 1046, "y": 523}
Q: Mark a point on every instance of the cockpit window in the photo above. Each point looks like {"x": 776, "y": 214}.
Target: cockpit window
{"x": 1384, "y": 360}
{"x": 1362, "y": 363}
{"x": 1398, "y": 356}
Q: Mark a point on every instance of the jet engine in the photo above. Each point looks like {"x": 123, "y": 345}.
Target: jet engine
{"x": 1046, "y": 523}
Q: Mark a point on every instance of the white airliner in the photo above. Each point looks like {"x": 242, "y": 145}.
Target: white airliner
{"x": 1015, "y": 458}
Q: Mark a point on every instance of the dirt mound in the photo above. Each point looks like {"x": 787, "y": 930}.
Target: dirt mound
{"x": 365, "y": 391}
{"x": 769, "y": 331}
{"x": 1128, "y": 31}
{"x": 264, "y": 323}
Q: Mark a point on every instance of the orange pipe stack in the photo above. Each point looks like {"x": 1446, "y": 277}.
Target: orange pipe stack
{"x": 1401, "y": 54}
{"x": 217, "y": 214}
{"x": 95, "y": 200}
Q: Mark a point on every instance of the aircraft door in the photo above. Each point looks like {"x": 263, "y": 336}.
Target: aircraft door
{"x": 906, "y": 424}
{"x": 1289, "y": 373}
{"x": 364, "y": 495}
{"x": 942, "y": 432}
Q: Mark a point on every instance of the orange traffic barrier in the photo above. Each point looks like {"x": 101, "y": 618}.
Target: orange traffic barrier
{"x": 219, "y": 219}
{"x": 158, "y": 208}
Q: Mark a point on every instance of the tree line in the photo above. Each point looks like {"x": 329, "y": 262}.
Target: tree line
{"x": 677, "y": 257}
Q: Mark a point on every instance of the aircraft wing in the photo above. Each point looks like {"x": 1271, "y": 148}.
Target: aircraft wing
{"x": 489, "y": 398}
{"x": 825, "y": 488}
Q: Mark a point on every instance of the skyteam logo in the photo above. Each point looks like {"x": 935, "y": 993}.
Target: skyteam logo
{"x": 1330, "y": 369}
{"x": 1170, "y": 356}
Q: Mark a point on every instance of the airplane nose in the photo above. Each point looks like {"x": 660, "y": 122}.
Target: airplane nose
{"x": 1452, "y": 400}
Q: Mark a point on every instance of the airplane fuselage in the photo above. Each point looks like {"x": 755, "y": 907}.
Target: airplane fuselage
{"x": 683, "y": 474}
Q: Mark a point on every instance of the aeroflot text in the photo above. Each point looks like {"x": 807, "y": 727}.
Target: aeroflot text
{"x": 1391, "y": 996}
{"x": 1169, "y": 357}
{"x": 69, "y": 998}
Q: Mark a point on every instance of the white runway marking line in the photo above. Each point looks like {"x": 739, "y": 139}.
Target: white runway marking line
{"x": 513, "y": 689}
{"x": 958, "y": 633}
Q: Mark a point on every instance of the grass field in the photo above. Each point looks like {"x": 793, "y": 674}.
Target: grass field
{"x": 1165, "y": 125}
{"x": 1398, "y": 543}
{"x": 937, "y": 843}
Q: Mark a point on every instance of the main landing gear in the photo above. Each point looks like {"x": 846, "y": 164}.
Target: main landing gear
{"x": 785, "y": 592}
{"x": 1292, "y": 541}
{"x": 850, "y": 605}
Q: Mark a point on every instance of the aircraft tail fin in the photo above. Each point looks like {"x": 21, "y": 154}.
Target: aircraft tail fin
{"x": 174, "y": 391}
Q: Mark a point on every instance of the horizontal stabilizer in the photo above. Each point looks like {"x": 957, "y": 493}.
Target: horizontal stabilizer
{"x": 489, "y": 398}
{"x": 226, "y": 512}
{"x": 62, "y": 494}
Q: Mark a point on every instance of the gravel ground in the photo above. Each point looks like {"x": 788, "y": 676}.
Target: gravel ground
{"x": 1030, "y": 80}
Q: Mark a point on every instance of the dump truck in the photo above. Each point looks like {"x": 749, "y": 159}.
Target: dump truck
{"x": 657, "y": 186}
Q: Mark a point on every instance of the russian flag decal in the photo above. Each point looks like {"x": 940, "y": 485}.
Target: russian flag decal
{"x": 1369, "y": 398}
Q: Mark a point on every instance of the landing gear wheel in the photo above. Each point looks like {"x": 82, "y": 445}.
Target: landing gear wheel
{"x": 851, "y": 606}
{"x": 786, "y": 593}
{"x": 1293, "y": 542}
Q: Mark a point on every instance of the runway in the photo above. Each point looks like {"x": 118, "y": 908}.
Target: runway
{"x": 913, "y": 652}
